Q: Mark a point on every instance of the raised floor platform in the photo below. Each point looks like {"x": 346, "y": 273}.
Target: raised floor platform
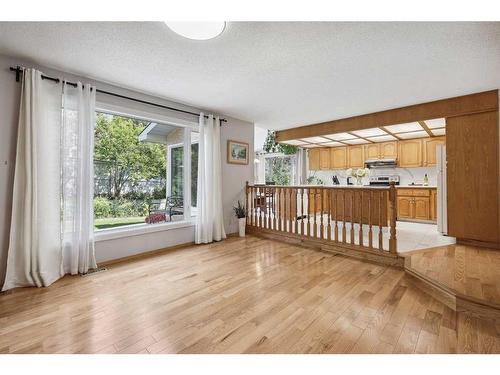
{"x": 465, "y": 278}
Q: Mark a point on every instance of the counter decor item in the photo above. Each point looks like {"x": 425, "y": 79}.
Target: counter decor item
{"x": 241, "y": 214}
{"x": 358, "y": 174}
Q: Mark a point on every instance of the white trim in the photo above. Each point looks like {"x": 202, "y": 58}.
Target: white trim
{"x": 138, "y": 230}
{"x": 186, "y": 173}
{"x": 119, "y": 110}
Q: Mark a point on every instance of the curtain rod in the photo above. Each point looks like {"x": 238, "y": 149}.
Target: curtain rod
{"x": 19, "y": 70}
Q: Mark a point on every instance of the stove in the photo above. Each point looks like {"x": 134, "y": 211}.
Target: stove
{"x": 384, "y": 180}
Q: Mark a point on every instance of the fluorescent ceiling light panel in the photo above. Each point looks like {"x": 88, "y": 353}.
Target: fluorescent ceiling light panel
{"x": 441, "y": 131}
{"x": 315, "y": 140}
{"x": 357, "y": 141}
{"x": 197, "y": 30}
{"x": 400, "y": 128}
{"x": 436, "y": 123}
{"x": 332, "y": 144}
{"x": 311, "y": 146}
{"x": 420, "y": 134}
{"x": 340, "y": 136}
{"x": 295, "y": 142}
{"x": 382, "y": 138}
{"x": 369, "y": 132}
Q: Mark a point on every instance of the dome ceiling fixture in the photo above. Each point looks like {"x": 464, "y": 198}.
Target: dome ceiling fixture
{"x": 197, "y": 30}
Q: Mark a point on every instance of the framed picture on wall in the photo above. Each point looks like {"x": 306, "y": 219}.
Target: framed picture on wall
{"x": 237, "y": 152}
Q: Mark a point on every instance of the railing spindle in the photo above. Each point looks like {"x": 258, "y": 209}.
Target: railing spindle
{"x": 380, "y": 235}
{"x": 329, "y": 200}
{"x": 361, "y": 218}
{"x": 302, "y": 216}
{"x": 370, "y": 231}
{"x": 392, "y": 206}
{"x": 335, "y": 197}
{"x": 344, "y": 231}
{"x": 322, "y": 228}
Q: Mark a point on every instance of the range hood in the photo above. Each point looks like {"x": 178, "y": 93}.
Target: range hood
{"x": 380, "y": 163}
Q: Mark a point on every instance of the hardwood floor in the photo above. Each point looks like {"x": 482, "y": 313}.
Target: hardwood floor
{"x": 468, "y": 270}
{"x": 246, "y": 295}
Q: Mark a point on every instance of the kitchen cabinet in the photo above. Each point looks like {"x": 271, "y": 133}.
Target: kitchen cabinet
{"x": 372, "y": 151}
{"x": 338, "y": 157}
{"x": 429, "y": 150}
{"x": 384, "y": 150}
{"x": 355, "y": 157}
{"x": 313, "y": 159}
{"x": 418, "y": 204}
{"x": 324, "y": 158}
{"x": 389, "y": 150}
{"x": 410, "y": 153}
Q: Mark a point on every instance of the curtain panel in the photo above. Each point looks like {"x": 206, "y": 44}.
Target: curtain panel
{"x": 210, "y": 220}
{"x": 51, "y": 231}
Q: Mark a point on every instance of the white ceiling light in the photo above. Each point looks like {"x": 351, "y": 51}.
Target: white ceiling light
{"x": 369, "y": 132}
{"x": 197, "y": 30}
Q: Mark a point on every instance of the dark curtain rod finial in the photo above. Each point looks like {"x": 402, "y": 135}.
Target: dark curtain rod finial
{"x": 20, "y": 69}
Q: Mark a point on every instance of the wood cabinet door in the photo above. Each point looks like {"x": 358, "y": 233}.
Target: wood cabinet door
{"x": 433, "y": 205}
{"x": 421, "y": 208}
{"x": 324, "y": 158}
{"x": 410, "y": 153}
{"x": 372, "y": 151}
{"x": 405, "y": 207}
{"x": 355, "y": 157}
{"x": 389, "y": 150}
{"x": 429, "y": 150}
{"x": 313, "y": 159}
{"x": 338, "y": 157}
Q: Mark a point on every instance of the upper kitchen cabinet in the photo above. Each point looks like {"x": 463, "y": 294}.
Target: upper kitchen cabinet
{"x": 429, "y": 146}
{"x": 410, "y": 153}
{"x": 314, "y": 159}
{"x": 372, "y": 151}
{"x": 389, "y": 150}
{"x": 385, "y": 150}
{"x": 355, "y": 157}
{"x": 324, "y": 158}
{"x": 338, "y": 157}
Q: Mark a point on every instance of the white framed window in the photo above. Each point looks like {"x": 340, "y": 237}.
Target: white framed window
{"x": 134, "y": 172}
{"x": 278, "y": 169}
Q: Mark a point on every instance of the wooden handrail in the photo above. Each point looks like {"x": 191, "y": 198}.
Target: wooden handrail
{"x": 346, "y": 215}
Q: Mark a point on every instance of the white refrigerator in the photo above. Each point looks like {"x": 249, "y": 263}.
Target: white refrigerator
{"x": 442, "y": 221}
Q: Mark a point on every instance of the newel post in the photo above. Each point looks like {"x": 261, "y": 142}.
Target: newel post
{"x": 393, "y": 243}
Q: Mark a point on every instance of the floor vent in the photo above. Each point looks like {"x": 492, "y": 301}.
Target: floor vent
{"x": 94, "y": 271}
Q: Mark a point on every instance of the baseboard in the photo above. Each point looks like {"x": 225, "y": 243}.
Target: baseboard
{"x": 470, "y": 242}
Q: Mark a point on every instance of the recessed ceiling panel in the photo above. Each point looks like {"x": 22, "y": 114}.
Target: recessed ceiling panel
{"x": 419, "y": 134}
{"x": 382, "y": 138}
{"x": 340, "y": 136}
{"x": 295, "y": 142}
{"x": 357, "y": 141}
{"x": 441, "y": 131}
{"x": 369, "y": 132}
{"x": 436, "y": 123}
{"x": 311, "y": 146}
{"x": 401, "y": 128}
{"x": 315, "y": 139}
{"x": 332, "y": 144}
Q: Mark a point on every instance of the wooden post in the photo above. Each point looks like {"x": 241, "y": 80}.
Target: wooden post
{"x": 393, "y": 243}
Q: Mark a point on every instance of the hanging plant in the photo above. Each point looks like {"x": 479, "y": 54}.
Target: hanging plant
{"x": 270, "y": 145}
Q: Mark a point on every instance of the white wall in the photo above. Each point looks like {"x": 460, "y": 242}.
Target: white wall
{"x": 234, "y": 176}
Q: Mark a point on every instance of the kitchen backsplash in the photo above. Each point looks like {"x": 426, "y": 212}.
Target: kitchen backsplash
{"x": 407, "y": 175}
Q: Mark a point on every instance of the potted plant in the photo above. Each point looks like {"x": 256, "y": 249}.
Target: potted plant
{"x": 241, "y": 214}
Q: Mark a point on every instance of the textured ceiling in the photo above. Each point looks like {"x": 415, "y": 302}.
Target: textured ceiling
{"x": 276, "y": 74}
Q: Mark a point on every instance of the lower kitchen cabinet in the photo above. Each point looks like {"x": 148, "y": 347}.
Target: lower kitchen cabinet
{"x": 416, "y": 204}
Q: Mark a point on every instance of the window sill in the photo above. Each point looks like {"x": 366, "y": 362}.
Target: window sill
{"x": 139, "y": 229}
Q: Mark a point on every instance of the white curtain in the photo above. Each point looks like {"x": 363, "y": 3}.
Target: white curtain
{"x": 77, "y": 174}
{"x": 37, "y": 233}
{"x": 210, "y": 220}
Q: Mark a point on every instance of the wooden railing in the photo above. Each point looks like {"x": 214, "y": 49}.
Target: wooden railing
{"x": 361, "y": 216}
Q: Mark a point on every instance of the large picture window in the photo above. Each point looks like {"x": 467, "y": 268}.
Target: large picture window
{"x": 139, "y": 172}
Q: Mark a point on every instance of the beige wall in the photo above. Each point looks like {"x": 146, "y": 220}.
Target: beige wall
{"x": 234, "y": 177}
